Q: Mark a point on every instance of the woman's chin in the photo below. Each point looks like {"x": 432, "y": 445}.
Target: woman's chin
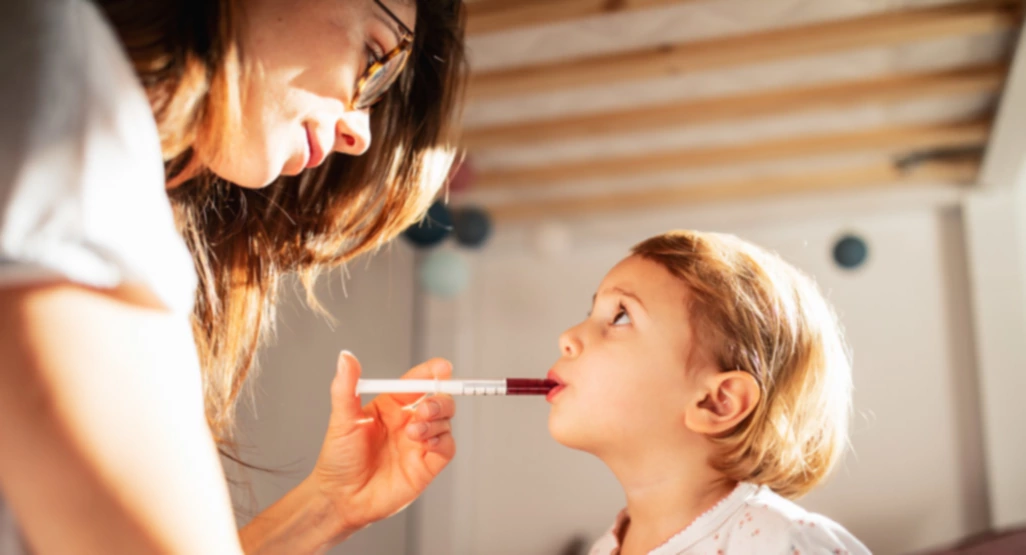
{"x": 250, "y": 175}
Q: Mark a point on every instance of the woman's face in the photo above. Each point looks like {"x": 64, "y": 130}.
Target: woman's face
{"x": 303, "y": 59}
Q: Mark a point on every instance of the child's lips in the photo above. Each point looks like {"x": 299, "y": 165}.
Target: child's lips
{"x": 552, "y": 375}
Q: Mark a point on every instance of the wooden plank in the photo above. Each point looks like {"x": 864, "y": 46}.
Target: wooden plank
{"x": 887, "y": 89}
{"x": 878, "y": 174}
{"x": 488, "y": 16}
{"x": 888, "y": 29}
{"x": 892, "y": 139}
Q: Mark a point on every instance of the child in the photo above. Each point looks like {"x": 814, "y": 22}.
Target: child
{"x": 712, "y": 378}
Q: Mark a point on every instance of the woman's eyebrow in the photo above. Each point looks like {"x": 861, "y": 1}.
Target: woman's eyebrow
{"x": 388, "y": 23}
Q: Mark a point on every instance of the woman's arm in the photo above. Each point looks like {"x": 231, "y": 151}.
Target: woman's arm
{"x": 304, "y": 521}
{"x": 104, "y": 447}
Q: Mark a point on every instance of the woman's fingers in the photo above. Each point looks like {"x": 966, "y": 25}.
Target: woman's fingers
{"x": 426, "y": 431}
{"x": 437, "y": 407}
{"x": 439, "y": 450}
{"x": 345, "y": 403}
{"x": 443, "y": 445}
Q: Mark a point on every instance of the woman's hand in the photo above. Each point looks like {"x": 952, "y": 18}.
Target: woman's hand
{"x": 377, "y": 459}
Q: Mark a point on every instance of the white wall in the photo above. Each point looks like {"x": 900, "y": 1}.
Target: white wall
{"x": 996, "y": 225}
{"x": 916, "y": 478}
{"x": 374, "y": 309}
{"x": 995, "y": 219}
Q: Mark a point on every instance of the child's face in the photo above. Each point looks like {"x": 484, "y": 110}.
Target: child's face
{"x": 625, "y": 367}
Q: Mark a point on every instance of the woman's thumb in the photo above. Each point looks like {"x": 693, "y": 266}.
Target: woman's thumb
{"x": 345, "y": 403}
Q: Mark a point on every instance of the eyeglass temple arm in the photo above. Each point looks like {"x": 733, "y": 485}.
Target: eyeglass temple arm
{"x": 395, "y": 18}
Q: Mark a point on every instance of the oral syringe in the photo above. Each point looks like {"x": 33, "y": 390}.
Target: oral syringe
{"x": 508, "y": 386}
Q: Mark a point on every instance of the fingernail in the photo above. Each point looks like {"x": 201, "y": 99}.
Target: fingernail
{"x": 341, "y": 354}
{"x": 431, "y": 408}
{"x": 417, "y": 430}
{"x": 433, "y": 441}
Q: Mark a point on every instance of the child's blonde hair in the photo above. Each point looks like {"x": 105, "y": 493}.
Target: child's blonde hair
{"x": 756, "y": 313}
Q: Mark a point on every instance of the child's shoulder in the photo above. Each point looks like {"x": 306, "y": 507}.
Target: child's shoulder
{"x": 769, "y": 523}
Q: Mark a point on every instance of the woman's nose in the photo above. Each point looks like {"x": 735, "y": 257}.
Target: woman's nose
{"x": 352, "y": 132}
{"x": 570, "y": 343}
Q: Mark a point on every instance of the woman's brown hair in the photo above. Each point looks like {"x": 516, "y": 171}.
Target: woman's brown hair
{"x": 187, "y": 55}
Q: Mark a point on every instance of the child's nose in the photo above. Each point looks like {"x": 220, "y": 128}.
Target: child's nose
{"x": 569, "y": 343}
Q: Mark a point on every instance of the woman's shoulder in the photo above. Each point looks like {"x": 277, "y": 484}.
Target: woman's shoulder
{"x": 777, "y": 526}
{"x": 82, "y": 192}
{"x": 64, "y": 67}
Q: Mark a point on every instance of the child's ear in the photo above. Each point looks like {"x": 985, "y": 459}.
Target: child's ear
{"x": 725, "y": 399}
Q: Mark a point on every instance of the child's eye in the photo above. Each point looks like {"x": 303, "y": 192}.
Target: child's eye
{"x": 622, "y": 317}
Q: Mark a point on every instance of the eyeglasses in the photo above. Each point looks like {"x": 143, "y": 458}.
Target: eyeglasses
{"x": 383, "y": 72}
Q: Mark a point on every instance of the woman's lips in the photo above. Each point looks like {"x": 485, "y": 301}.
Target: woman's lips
{"x": 316, "y": 153}
{"x": 552, "y": 375}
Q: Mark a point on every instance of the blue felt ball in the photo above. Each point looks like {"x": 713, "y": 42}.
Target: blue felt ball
{"x": 444, "y": 273}
{"x": 850, "y": 252}
{"x": 432, "y": 229}
{"x": 472, "y": 226}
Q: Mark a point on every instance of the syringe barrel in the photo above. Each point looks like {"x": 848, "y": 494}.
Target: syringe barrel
{"x": 449, "y": 387}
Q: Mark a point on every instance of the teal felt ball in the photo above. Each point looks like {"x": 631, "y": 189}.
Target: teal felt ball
{"x": 432, "y": 229}
{"x": 472, "y": 226}
{"x": 850, "y": 252}
{"x": 444, "y": 273}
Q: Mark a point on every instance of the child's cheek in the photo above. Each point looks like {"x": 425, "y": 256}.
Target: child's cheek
{"x": 626, "y": 402}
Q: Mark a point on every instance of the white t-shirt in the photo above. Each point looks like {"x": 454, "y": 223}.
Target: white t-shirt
{"x": 752, "y": 520}
{"x": 82, "y": 195}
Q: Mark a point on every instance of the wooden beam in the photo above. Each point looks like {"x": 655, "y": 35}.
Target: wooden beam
{"x": 888, "y": 89}
{"x": 894, "y": 139}
{"x": 488, "y": 16}
{"x": 879, "y": 174}
{"x": 907, "y": 26}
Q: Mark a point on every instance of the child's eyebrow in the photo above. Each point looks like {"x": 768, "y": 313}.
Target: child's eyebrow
{"x": 623, "y": 292}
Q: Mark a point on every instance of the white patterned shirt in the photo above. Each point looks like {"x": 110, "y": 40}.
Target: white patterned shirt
{"x": 752, "y": 520}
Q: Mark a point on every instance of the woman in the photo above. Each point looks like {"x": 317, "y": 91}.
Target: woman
{"x": 274, "y": 136}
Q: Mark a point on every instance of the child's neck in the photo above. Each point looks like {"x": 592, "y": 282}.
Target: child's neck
{"x": 661, "y": 504}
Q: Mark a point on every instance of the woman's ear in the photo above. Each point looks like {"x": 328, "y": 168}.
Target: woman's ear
{"x": 725, "y": 399}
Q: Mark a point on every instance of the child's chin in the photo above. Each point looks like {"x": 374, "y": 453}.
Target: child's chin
{"x": 563, "y": 431}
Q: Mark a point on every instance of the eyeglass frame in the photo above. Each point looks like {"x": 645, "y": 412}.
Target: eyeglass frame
{"x": 404, "y": 46}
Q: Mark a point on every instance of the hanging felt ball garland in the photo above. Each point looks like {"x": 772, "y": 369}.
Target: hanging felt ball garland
{"x": 445, "y": 271}
{"x": 461, "y": 177}
{"x": 472, "y": 226}
{"x": 432, "y": 229}
{"x": 850, "y": 252}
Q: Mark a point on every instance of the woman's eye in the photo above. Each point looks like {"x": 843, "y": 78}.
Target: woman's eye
{"x": 373, "y": 54}
{"x": 621, "y": 317}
